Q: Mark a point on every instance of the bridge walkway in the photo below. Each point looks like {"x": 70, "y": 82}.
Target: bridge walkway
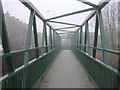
{"x": 66, "y": 72}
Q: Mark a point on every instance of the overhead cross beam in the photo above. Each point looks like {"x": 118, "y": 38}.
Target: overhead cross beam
{"x": 77, "y": 12}
{"x": 100, "y": 6}
{"x": 60, "y": 30}
{"x": 30, "y": 6}
{"x": 61, "y": 33}
{"x": 88, "y": 3}
{"x": 66, "y": 27}
{"x": 64, "y": 23}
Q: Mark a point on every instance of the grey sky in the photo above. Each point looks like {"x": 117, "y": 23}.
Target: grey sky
{"x": 49, "y": 8}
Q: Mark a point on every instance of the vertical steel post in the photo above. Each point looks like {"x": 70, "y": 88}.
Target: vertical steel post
{"x": 88, "y": 37}
{"x": 103, "y": 40}
{"x": 29, "y": 35}
{"x": 27, "y": 46}
{"x": 54, "y": 39}
{"x": 77, "y": 37}
{"x": 50, "y": 38}
{"x": 75, "y": 40}
{"x": 46, "y": 43}
{"x": 35, "y": 37}
{"x": 81, "y": 38}
{"x": 95, "y": 36}
{"x": 85, "y": 40}
{"x": 44, "y": 38}
{"x": 5, "y": 41}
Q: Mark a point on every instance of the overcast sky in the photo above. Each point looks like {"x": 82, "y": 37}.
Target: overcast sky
{"x": 49, "y": 8}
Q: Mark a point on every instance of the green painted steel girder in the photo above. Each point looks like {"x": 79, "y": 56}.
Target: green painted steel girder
{"x": 103, "y": 39}
{"x": 77, "y": 12}
{"x": 95, "y": 36}
{"x": 50, "y": 38}
{"x": 88, "y": 36}
{"x": 5, "y": 42}
{"x": 30, "y": 6}
{"x": 66, "y": 27}
{"x": 51, "y": 27}
{"x": 64, "y": 23}
{"x": 75, "y": 32}
{"x": 29, "y": 35}
{"x": 88, "y": 3}
{"x": 81, "y": 38}
{"x": 85, "y": 40}
{"x": 44, "y": 37}
{"x": 101, "y": 49}
{"x": 60, "y": 30}
{"x": 62, "y": 33}
{"x": 100, "y": 6}
{"x": 54, "y": 39}
{"x": 35, "y": 37}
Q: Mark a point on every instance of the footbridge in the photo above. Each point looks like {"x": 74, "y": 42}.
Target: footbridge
{"x": 53, "y": 66}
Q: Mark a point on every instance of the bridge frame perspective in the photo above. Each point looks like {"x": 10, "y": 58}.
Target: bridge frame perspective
{"x": 28, "y": 75}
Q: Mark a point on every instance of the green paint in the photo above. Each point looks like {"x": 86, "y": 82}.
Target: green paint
{"x": 95, "y": 36}
{"x": 103, "y": 39}
{"x": 6, "y": 44}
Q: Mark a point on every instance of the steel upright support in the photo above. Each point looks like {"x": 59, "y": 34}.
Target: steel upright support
{"x": 81, "y": 38}
{"x": 27, "y": 46}
{"x": 54, "y": 39}
{"x": 35, "y": 37}
{"x": 85, "y": 40}
{"x": 95, "y": 36}
{"x": 103, "y": 40}
{"x": 88, "y": 36}
{"x": 44, "y": 38}
{"x": 5, "y": 42}
{"x": 77, "y": 38}
{"x": 29, "y": 35}
{"x": 50, "y": 38}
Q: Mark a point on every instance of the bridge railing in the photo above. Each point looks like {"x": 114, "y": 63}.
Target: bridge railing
{"x": 101, "y": 73}
{"x": 27, "y": 75}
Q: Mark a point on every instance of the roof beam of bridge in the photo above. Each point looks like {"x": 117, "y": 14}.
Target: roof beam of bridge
{"x": 88, "y": 3}
{"x": 77, "y": 12}
{"x": 30, "y": 6}
{"x": 60, "y": 30}
{"x": 100, "y": 6}
{"x": 66, "y": 27}
{"x": 65, "y": 23}
{"x": 61, "y": 33}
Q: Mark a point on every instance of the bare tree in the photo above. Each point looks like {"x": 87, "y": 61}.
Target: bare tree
{"x": 110, "y": 18}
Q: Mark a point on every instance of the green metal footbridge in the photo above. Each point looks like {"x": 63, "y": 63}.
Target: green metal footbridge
{"x": 50, "y": 60}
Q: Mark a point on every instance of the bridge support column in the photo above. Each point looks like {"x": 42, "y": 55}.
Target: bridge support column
{"x": 103, "y": 39}
{"x": 44, "y": 39}
{"x": 81, "y": 38}
{"x": 5, "y": 40}
{"x": 95, "y": 36}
